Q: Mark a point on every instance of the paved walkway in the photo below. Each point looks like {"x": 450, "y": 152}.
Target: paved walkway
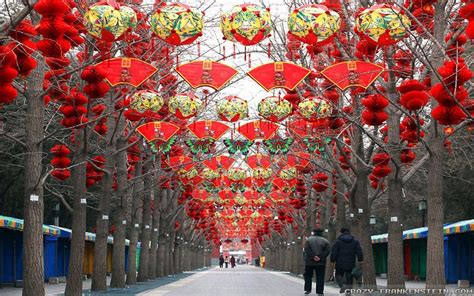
{"x": 242, "y": 280}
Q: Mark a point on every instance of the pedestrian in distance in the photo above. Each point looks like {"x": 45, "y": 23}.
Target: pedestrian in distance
{"x": 316, "y": 251}
{"x": 232, "y": 261}
{"x": 221, "y": 261}
{"x": 226, "y": 262}
{"x": 343, "y": 258}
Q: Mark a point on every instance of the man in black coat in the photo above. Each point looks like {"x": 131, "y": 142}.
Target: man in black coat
{"x": 343, "y": 255}
{"x": 316, "y": 251}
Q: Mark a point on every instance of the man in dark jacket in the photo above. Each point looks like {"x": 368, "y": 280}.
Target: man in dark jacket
{"x": 316, "y": 250}
{"x": 343, "y": 256}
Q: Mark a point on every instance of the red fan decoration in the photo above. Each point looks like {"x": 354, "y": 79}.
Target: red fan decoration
{"x": 158, "y": 130}
{"x": 217, "y": 162}
{"x": 259, "y": 161}
{"x": 208, "y": 129}
{"x": 299, "y": 160}
{"x": 352, "y": 73}
{"x": 258, "y": 129}
{"x": 279, "y": 75}
{"x": 126, "y": 71}
{"x": 179, "y": 162}
{"x": 303, "y": 128}
{"x": 206, "y": 73}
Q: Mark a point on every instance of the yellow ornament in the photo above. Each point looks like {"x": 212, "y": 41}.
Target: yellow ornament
{"x": 312, "y": 109}
{"x": 177, "y": 24}
{"x": 146, "y": 100}
{"x": 247, "y": 24}
{"x": 382, "y": 24}
{"x": 109, "y": 22}
{"x": 314, "y": 24}
{"x": 275, "y": 109}
{"x": 184, "y": 106}
{"x": 232, "y": 108}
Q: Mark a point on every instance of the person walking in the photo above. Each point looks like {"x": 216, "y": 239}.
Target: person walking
{"x": 343, "y": 258}
{"x": 226, "y": 262}
{"x": 232, "y": 261}
{"x": 221, "y": 261}
{"x": 316, "y": 251}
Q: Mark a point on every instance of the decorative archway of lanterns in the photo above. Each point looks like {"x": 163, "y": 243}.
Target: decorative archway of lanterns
{"x": 238, "y": 175}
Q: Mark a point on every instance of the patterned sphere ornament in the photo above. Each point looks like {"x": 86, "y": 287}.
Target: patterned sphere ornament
{"x": 184, "y": 105}
{"x": 313, "y": 109}
{"x": 314, "y": 24}
{"x": 210, "y": 174}
{"x": 247, "y": 24}
{"x": 262, "y": 173}
{"x": 382, "y": 24}
{"x": 232, "y": 109}
{"x": 146, "y": 100}
{"x": 288, "y": 173}
{"x": 177, "y": 24}
{"x": 236, "y": 174}
{"x": 275, "y": 109}
{"x": 109, "y": 22}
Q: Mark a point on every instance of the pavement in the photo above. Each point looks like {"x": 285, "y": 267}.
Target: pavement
{"x": 242, "y": 280}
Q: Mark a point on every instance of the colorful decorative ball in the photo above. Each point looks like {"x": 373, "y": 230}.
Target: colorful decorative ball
{"x": 232, "y": 108}
{"x": 177, "y": 24}
{"x": 210, "y": 174}
{"x": 314, "y": 24}
{"x": 146, "y": 100}
{"x": 261, "y": 173}
{"x": 236, "y": 174}
{"x": 288, "y": 173}
{"x": 247, "y": 24}
{"x": 382, "y": 24}
{"x": 182, "y": 173}
{"x": 275, "y": 108}
{"x": 313, "y": 109}
{"x": 109, "y": 22}
{"x": 184, "y": 106}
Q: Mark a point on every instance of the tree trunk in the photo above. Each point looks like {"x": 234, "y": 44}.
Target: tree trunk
{"x": 120, "y": 218}
{"x": 99, "y": 276}
{"x": 33, "y": 270}
{"x": 143, "y": 273}
{"x": 341, "y": 204}
{"x": 76, "y": 257}
{"x": 134, "y": 226}
{"x": 154, "y": 235}
{"x": 395, "y": 275}
{"x": 161, "y": 256}
{"x": 435, "y": 277}
{"x": 362, "y": 210}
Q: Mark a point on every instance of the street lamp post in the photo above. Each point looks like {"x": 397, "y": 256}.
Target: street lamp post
{"x": 422, "y": 207}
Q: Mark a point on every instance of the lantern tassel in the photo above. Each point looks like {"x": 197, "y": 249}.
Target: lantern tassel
{"x": 269, "y": 49}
